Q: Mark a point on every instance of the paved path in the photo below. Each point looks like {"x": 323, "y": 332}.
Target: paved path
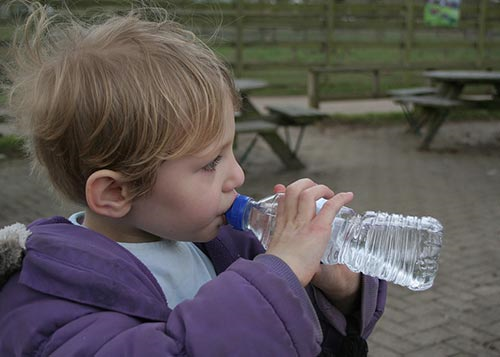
{"x": 458, "y": 182}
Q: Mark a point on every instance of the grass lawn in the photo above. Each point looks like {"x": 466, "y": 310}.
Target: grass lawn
{"x": 6, "y": 31}
{"x": 11, "y": 146}
{"x": 397, "y": 118}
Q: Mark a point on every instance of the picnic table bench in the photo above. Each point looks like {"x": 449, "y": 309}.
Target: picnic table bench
{"x": 292, "y": 115}
{"x": 430, "y": 105}
{"x": 404, "y": 92}
{"x": 265, "y": 126}
{"x": 431, "y": 110}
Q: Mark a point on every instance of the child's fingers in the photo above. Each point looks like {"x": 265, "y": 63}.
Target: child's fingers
{"x": 279, "y": 188}
{"x": 306, "y": 209}
{"x": 293, "y": 193}
{"x": 280, "y": 212}
{"x": 331, "y": 207}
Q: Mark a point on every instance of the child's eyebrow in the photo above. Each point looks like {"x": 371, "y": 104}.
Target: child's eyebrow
{"x": 216, "y": 147}
{"x": 211, "y": 150}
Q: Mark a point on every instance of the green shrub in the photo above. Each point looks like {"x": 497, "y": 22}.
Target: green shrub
{"x": 11, "y": 146}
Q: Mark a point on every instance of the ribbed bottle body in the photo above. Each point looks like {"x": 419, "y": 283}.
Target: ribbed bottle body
{"x": 400, "y": 249}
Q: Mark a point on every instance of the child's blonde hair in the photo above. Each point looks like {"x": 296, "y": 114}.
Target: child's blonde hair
{"x": 125, "y": 95}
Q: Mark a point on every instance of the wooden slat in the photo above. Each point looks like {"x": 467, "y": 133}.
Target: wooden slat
{"x": 403, "y": 92}
{"x": 293, "y": 111}
{"x": 430, "y": 101}
{"x": 254, "y": 126}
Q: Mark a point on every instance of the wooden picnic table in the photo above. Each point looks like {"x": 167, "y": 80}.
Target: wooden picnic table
{"x": 245, "y": 86}
{"x": 465, "y": 77}
{"x": 251, "y": 120}
{"x": 436, "y": 107}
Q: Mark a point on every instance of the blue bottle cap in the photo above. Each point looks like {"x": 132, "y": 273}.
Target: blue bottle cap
{"x": 234, "y": 215}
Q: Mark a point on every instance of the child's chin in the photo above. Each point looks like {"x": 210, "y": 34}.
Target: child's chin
{"x": 208, "y": 235}
{"x": 210, "y": 231}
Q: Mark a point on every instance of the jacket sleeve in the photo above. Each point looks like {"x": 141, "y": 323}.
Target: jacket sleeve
{"x": 107, "y": 333}
{"x": 362, "y": 320}
{"x": 333, "y": 322}
{"x": 254, "y": 308}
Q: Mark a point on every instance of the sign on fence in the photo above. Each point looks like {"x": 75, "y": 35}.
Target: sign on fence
{"x": 442, "y": 12}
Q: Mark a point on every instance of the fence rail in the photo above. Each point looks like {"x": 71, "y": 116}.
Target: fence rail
{"x": 338, "y": 34}
{"x": 281, "y": 40}
{"x": 377, "y": 73}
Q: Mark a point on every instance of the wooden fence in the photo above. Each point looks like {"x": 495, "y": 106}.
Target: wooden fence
{"x": 327, "y": 28}
{"x": 280, "y": 41}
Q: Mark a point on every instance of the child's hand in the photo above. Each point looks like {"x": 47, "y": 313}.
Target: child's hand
{"x": 340, "y": 286}
{"x": 300, "y": 236}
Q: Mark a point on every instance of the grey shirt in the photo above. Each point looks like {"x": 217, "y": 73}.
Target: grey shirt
{"x": 180, "y": 268}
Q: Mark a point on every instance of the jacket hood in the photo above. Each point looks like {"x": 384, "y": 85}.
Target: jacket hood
{"x": 78, "y": 264}
{"x": 12, "y": 248}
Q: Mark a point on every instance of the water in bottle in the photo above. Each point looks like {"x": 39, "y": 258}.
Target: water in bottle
{"x": 400, "y": 249}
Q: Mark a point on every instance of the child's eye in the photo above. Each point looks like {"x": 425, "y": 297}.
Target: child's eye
{"x": 213, "y": 164}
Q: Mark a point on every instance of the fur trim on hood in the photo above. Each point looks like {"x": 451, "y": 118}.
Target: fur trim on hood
{"x": 12, "y": 247}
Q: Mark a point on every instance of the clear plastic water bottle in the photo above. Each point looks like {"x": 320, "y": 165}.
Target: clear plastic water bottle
{"x": 400, "y": 249}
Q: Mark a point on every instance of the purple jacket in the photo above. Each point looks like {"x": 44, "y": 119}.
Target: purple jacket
{"x": 79, "y": 293}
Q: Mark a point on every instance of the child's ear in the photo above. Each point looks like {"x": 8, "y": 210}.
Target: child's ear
{"x": 107, "y": 194}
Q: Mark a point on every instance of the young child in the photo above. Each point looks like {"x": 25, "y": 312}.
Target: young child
{"x": 135, "y": 120}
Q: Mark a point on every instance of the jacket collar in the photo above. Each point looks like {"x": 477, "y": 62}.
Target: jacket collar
{"x": 78, "y": 264}
{"x": 81, "y": 265}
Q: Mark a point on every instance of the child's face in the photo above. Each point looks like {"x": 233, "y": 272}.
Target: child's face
{"x": 191, "y": 194}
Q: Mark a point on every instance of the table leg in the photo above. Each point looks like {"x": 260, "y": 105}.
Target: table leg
{"x": 411, "y": 117}
{"x": 497, "y": 91}
{"x": 436, "y": 116}
{"x": 247, "y": 151}
{"x": 435, "y": 119}
{"x": 422, "y": 119}
{"x": 289, "y": 159}
{"x": 299, "y": 139}
{"x": 247, "y": 106}
{"x": 450, "y": 90}
{"x": 298, "y": 142}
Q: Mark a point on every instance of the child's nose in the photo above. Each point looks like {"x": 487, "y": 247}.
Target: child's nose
{"x": 236, "y": 176}
{"x": 240, "y": 175}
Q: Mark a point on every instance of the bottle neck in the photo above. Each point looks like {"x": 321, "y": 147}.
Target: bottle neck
{"x": 245, "y": 214}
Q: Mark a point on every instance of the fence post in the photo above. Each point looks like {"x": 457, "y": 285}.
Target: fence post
{"x": 482, "y": 33}
{"x": 239, "y": 37}
{"x": 409, "y": 31}
{"x": 376, "y": 83}
{"x": 312, "y": 88}
{"x": 330, "y": 28}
